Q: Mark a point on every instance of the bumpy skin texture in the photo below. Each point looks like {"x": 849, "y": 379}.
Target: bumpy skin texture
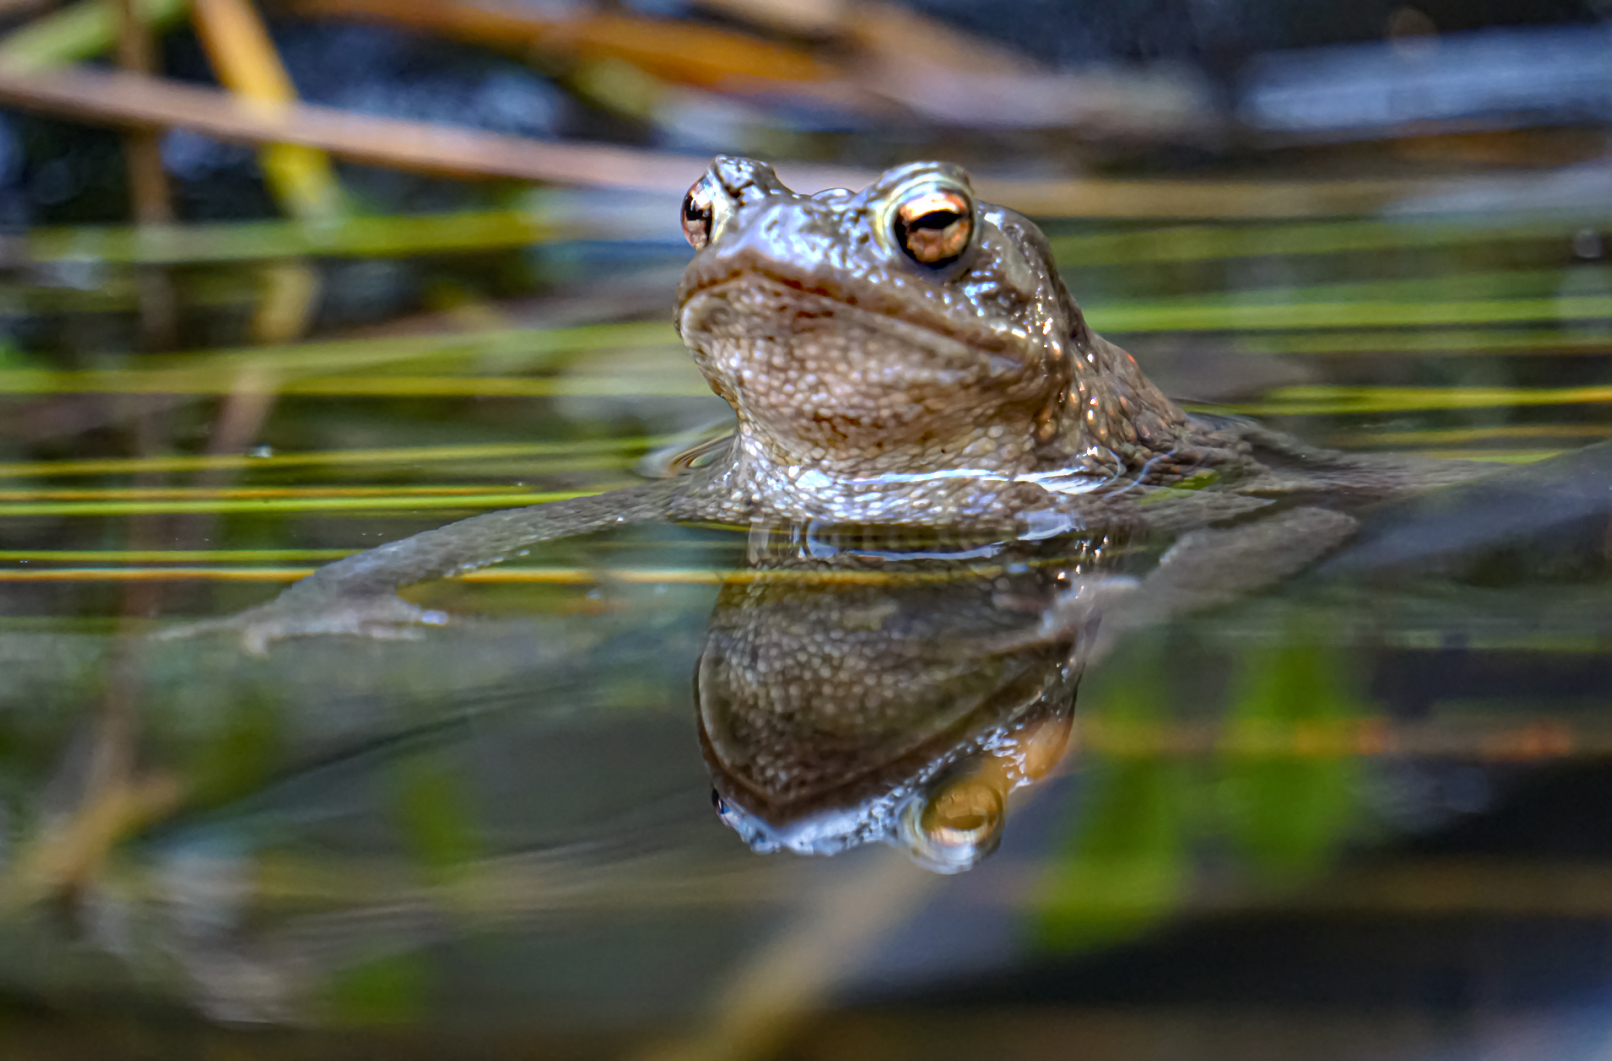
{"x": 837, "y": 684}
{"x": 833, "y": 708}
{"x": 872, "y": 388}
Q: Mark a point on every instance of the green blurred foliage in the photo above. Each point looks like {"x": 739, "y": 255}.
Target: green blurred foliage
{"x": 1127, "y": 861}
{"x": 387, "y": 990}
{"x": 1282, "y": 792}
{"x": 1288, "y": 791}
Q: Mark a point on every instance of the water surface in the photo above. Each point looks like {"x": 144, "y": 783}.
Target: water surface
{"x": 1360, "y": 814}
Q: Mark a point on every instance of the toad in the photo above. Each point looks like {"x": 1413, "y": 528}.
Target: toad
{"x": 903, "y": 355}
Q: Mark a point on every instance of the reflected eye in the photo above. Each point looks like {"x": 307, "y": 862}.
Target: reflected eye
{"x": 723, "y": 810}
{"x": 934, "y": 225}
{"x": 699, "y": 213}
{"x": 962, "y": 813}
{"x": 959, "y": 824}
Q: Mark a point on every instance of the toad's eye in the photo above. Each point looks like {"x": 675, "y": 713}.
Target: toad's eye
{"x": 934, "y": 225}
{"x": 699, "y": 213}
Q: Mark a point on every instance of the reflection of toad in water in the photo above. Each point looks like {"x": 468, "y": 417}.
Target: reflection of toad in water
{"x": 853, "y": 690}
{"x": 908, "y": 356}
{"x": 895, "y": 684}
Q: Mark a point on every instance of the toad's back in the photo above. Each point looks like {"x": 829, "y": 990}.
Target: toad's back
{"x": 903, "y": 355}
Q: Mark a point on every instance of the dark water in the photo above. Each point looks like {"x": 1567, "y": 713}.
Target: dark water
{"x": 1359, "y": 814}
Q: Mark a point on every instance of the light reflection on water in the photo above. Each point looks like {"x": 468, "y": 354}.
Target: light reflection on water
{"x": 1376, "y": 790}
{"x": 507, "y": 822}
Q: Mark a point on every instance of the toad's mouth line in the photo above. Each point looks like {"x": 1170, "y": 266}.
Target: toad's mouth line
{"x": 920, "y": 329}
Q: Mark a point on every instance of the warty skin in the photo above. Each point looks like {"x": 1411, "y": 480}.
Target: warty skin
{"x": 904, "y": 356}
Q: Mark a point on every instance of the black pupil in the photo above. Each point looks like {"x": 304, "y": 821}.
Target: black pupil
{"x": 937, "y": 219}
{"x": 694, "y": 211}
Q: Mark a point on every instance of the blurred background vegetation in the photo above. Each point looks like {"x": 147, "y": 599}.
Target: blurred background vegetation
{"x": 282, "y": 281}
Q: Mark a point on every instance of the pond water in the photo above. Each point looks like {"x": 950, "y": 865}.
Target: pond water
{"x": 1358, "y": 814}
